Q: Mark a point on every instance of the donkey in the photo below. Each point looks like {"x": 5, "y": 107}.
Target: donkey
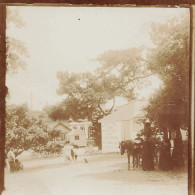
{"x": 132, "y": 148}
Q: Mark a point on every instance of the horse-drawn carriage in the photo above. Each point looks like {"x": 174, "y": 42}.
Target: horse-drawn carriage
{"x": 135, "y": 148}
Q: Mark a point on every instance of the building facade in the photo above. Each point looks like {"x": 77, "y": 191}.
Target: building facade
{"x": 77, "y": 133}
{"x": 123, "y": 124}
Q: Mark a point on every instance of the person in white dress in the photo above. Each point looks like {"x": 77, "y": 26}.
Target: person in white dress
{"x": 11, "y": 159}
{"x": 67, "y": 152}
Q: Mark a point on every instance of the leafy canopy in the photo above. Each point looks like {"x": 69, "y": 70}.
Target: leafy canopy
{"x": 86, "y": 93}
{"x": 170, "y": 61}
{"x": 24, "y": 130}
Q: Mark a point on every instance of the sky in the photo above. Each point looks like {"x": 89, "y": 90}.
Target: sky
{"x": 68, "y": 38}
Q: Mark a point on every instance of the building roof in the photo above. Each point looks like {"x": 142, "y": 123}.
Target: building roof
{"x": 134, "y": 109}
{"x": 61, "y": 124}
{"x": 67, "y": 124}
{"x": 76, "y": 132}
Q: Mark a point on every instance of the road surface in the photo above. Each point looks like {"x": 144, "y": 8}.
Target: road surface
{"x": 103, "y": 174}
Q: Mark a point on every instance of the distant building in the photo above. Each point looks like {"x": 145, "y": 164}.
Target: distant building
{"x": 64, "y": 130}
{"x": 77, "y": 133}
{"x": 77, "y": 137}
{"x": 83, "y": 125}
{"x": 123, "y": 124}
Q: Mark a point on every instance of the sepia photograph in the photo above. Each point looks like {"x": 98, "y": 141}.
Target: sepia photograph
{"x": 98, "y": 100}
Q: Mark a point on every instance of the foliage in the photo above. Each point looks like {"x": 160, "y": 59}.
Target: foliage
{"x": 24, "y": 131}
{"x": 86, "y": 93}
{"x": 16, "y": 51}
{"x": 53, "y": 133}
{"x": 118, "y": 74}
{"x": 123, "y": 69}
{"x": 170, "y": 61}
{"x": 168, "y": 108}
{"x": 51, "y": 147}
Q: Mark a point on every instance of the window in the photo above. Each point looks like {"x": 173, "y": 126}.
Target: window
{"x": 63, "y": 136}
{"x": 82, "y": 128}
{"x": 76, "y": 137}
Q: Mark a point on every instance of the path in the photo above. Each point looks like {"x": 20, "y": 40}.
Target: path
{"x": 104, "y": 174}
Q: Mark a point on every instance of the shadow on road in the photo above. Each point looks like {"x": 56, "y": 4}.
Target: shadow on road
{"x": 138, "y": 176}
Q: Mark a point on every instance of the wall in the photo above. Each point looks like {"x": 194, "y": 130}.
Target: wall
{"x": 135, "y": 127}
{"x": 125, "y": 130}
{"x": 111, "y": 136}
{"x": 82, "y": 138}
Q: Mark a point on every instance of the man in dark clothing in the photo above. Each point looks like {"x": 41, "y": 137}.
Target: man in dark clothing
{"x": 165, "y": 156}
{"x": 147, "y": 156}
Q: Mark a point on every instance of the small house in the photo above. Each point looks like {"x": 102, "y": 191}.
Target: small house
{"x": 77, "y": 133}
{"x": 63, "y": 129}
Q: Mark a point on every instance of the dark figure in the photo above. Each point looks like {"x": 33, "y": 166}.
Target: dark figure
{"x": 147, "y": 156}
{"x": 137, "y": 155}
{"x": 165, "y": 156}
{"x": 72, "y": 155}
{"x": 18, "y": 165}
{"x": 75, "y": 153}
{"x": 178, "y": 155}
{"x": 86, "y": 161}
{"x": 132, "y": 149}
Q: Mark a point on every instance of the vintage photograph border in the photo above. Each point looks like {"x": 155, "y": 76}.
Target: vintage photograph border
{"x": 99, "y": 3}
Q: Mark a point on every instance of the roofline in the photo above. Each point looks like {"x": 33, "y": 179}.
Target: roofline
{"x": 60, "y": 123}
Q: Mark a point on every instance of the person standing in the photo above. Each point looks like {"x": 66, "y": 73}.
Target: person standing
{"x": 11, "y": 159}
{"x": 148, "y": 148}
{"x": 68, "y": 149}
{"x": 72, "y": 154}
{"x": 165, "y": 155}
{"x": 75, "y": 153}
{"x": 148, "y": 155}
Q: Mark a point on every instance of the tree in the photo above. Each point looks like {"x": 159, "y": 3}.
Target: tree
{"x": 118, "y": 74}
{"x": 169, "y": 107}
{"x": 24, "y": 131}
{"x": 124, "y": 69}
{"x": 88, "y": 92}
{"x": 15, "y": 49}
{"x": 53, "y": 134}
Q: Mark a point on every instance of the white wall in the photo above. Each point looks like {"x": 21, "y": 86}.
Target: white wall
{"x": 82, "y": 138}
{"x": 111, "y": 136}
{"x": 125, "y": 130}
{"x": 135, "y": 127}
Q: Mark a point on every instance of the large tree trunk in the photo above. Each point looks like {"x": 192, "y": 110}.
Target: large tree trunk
{"x": 97, "y": 134}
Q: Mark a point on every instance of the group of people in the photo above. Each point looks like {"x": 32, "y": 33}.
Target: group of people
{"x": 70, "y": 152}
{"x": 148, "y": 154}
{"x": 12, "y": 163}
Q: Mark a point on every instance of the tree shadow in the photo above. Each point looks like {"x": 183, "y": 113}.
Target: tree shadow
{"x": 122, "y": 175}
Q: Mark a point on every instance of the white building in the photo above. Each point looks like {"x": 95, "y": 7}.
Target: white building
{"x": 75, "y": 132}
{"x": 83, "y": 125}
{"x": 122, "y": 124}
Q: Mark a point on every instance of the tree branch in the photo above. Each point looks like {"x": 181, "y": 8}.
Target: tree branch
{"x": 141, "y": 77}
{"x": 144, "y": 60}
{"x": 106, "y": 113}
{"x": 111, "y": 107}
{"x": 101, "y": 108}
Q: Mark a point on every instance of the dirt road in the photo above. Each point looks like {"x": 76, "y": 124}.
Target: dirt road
{"x": 103, "y": 174}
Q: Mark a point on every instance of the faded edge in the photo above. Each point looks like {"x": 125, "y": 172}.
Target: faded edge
{"x": 2, "y": 92}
